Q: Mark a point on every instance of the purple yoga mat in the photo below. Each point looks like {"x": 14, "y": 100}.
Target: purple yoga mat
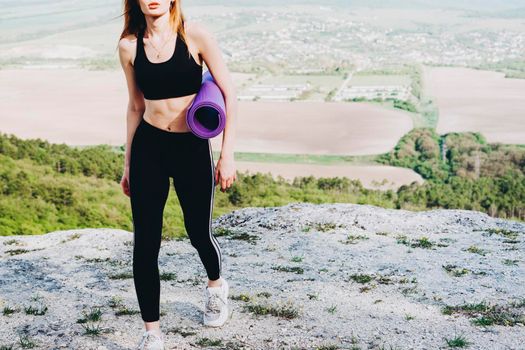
{"x": 206, "y": 117}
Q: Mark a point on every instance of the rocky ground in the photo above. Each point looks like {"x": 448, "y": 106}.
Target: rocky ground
{"x": 302, "y": 276}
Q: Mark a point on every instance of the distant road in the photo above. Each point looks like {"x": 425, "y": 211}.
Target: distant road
{"x": 337, "y": 96}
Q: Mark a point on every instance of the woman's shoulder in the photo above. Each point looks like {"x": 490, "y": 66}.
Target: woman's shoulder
{"x": 128, "y": 43}
{"x": 197, "y": 30}
{"x": 127, "y": 47}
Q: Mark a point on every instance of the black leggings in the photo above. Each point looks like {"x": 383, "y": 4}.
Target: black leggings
{"x": 155, "y": 156}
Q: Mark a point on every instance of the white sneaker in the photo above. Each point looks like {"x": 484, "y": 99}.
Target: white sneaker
{"x": 151, "y": 341}
{"x": 216, "y": 309}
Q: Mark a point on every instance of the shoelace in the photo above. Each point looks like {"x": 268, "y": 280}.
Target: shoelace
{"x": 146, "y": 340}
{"x": 213, "y": 303}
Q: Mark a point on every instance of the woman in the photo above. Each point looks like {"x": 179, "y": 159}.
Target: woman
{"x": 161, "y": 54}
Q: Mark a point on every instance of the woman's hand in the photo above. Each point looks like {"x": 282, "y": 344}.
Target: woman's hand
{"x": 225, "y": 172}
{"x": 124, "y": 182}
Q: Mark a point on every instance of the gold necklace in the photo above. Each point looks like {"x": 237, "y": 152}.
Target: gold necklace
{"x": 165, "y": 42}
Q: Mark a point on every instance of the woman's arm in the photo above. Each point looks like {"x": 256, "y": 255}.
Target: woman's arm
{"x": 211, "y": 53}
{"x": 136, "y": 103}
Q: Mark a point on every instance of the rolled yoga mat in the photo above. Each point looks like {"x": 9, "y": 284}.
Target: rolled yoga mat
{"x": 206, "y": 117}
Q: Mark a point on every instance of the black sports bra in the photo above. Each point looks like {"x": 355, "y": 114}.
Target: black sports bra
{"x": 178, "y": 76}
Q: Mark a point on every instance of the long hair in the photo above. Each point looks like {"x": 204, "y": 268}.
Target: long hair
{"x": 135, "y": 21}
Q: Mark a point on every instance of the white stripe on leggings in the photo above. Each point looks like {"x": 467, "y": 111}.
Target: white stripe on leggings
{"x": 212, "y": 238}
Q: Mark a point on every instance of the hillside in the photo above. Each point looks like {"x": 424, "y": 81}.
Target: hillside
{"x": 302, "y": 276}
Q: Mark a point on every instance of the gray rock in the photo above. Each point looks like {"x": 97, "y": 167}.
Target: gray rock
{"x": 336, "y": 274}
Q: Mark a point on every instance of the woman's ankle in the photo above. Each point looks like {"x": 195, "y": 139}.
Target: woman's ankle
{"x": 215, "y": 283}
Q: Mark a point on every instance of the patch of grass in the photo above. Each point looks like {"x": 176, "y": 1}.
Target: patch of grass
{"x": 327, "y": 347}
{"x": 120, "y": 309}
{"x": 409, "y": 317}
{"x": 306, "y": 229}
{"x": 300, "y": 279}
{"x": 74, "y": 236}
{"x": 208, "y": 342}
{"x": 195, "y": 280}
{"x": 326, "y": 226}
{"x": 296, "y": 269}
{"x": 234, "y": 234}
{"x": 313, "y": 296}
{"x": 422, "y": 242}
{"x": 37, "y": 310}
{"x": 26, "y": 342}
{"x": 459, "y": 341}
{"x": 115, "y": 301}
{"x": 9, "y": 310}
{"x": 367, "y": 288}
{"x": 95, "y": 260}
{"x": 6, "y": 347}
{"x": 243, "y": 236}
{"x": 297, "y": 258}
{"x": 264, "y": 294}
{"x": 510, "y": 262}
{"x": 404, "y": 280}
{"x": 182, "y": 331}
{"x": 390, "y": 347}
{"x": 92, "y": 328}
{"x": 168, "y": 276}
{"x": 17, "y": 251}
{"x": 241, "y": 297}
{"x": 121, "y": 276}
{"x": 332, "y": 309}
{"x": 384, "y": 280}
{"x": 485, "y": 314}
{"x": 124, "y": 310}
{"x": 476, "y": 250}
{"x": 286, "y": 310}
{"x": 361, "y": 278}
{"x": 409, "y": 290}
{"x": 11, "y": 242}
{"x": 402, "y": 239}
{"x": 478, "y": 272}
{"x": 455, "y": 271}
{"x": 223, "y": 231}
{"x": 381, "y": 233}
{"x": 110, "y": 262}
{"x": 94, "y": 315}
{"x": 353, "y": 239}
{"x": 118, "y": 263}
{"x": 501, "y": 232}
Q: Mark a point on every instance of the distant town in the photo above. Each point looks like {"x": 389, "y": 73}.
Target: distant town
{"x": 299, "y": 52}
{"x": 331, "y": 41}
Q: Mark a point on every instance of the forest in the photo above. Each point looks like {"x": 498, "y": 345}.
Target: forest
{"x": 47, "y": 187}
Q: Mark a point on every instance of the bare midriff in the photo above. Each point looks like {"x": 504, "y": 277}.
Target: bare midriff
{"x": 169, "y": 114}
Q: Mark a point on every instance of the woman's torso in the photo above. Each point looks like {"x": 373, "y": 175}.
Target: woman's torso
{"x": 169, "y": 83}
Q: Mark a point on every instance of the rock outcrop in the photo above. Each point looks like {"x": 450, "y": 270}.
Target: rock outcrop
{"x": 302, "y": 276}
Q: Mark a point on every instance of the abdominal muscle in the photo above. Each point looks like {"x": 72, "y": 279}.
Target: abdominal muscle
{"x": 169, "y": 114}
